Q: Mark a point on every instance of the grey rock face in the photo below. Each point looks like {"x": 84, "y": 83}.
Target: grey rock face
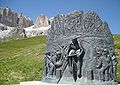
{"x": 13, "y": 19}
{"x": 50, "y": 20}
{"x": 80, "y": 49}
{"x": 4, "y": 30}
{"x": 41, "y": 21}
{"x": 11, "y": 33}
{"x": 17, "y": 33}
{"x": 34, "y": 33}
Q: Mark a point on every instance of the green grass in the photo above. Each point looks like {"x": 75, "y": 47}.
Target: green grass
{"x": 117, "y": 41}
{"x": 22, "y": 60}
{"x": 117, "y": 51}
{"x": 118, "y": 70}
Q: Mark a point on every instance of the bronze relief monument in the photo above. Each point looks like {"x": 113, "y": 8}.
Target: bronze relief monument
{"x": 80, "y": 51}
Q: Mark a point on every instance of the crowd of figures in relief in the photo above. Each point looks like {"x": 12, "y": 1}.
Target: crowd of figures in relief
{"x": 72, "y": 56}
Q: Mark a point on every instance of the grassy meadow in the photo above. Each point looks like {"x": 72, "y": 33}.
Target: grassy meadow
{"x": 22, "y": 60}
{"x": 117, "y": 51}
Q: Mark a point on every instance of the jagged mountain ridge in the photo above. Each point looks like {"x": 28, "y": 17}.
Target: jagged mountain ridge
{"x": 16, "y": 25}
{"x": 13, "y": 19}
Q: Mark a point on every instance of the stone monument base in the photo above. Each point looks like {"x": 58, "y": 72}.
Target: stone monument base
{"x": 87, "y": 83}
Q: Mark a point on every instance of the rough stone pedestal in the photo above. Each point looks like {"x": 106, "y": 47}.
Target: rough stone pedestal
{"x": 87, "y": 83}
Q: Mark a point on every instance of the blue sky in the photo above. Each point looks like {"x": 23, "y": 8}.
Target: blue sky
{"x": 108, "y": 10}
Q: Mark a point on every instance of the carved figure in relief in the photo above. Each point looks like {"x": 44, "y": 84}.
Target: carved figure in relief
{"x": 73, "y": 59}
{"x": 104, "y": 64}
{"x": 75, "y": 55}
{"x": 114, "y": 62}
{"x": 49, "y": 64}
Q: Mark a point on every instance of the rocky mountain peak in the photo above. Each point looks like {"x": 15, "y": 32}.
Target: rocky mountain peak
{"x": 41, "y": 21}
{"x": 10, "y": 18}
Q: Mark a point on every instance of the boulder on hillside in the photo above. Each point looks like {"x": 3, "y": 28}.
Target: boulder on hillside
{"x": 11, "y": 33}
{"x": 16, "y": 33}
